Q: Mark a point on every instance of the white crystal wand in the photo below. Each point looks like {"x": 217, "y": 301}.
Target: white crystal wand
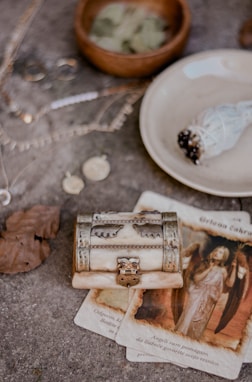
{"x": 215, "y": 130}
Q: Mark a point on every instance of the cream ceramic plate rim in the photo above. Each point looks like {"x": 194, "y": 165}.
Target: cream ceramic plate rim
{"x": 151, "y": 136}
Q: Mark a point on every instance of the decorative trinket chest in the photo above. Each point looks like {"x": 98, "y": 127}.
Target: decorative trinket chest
{"x": 118, "y": 250}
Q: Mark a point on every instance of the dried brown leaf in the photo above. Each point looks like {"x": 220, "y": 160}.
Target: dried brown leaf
{"x": 23, "y": 246}
{"x": 40, "y": 220}
{"x": 21, "y": 252}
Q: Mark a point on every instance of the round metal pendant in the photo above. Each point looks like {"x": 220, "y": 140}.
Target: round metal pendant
{"x": 96, "y": 168}
{"x": 72, "y": 184}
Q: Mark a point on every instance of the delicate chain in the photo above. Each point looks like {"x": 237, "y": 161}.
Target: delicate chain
{"x": 83, "y": 97}
{"x": 74, "y": 131}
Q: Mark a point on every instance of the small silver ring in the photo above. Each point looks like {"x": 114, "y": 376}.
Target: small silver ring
{"x": 67, "y": 68}
{"x": 34, "y": 71}
{"x": 7, "y": 196}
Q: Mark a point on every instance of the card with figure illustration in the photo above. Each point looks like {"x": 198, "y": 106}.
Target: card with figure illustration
{"x": 151, "y": 200}
{"x": 206, "y": 324}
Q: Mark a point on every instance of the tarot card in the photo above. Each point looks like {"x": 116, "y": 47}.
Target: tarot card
{"x": 206, "y": 324}
{"x": 103, "y": 310}
{"x": 150, "y": 200}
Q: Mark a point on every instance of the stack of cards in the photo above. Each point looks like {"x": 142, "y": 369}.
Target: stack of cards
{"x": 205, "y": 325}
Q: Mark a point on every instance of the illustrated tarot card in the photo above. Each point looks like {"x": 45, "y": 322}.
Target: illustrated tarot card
{"x": 151, "y": 200}
{"x": 207, "y": 323}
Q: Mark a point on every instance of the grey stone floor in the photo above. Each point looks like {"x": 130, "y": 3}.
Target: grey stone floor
{"x": 39, "y": 340}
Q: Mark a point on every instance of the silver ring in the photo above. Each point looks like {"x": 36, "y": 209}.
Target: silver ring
{"x": 67, "y": 68}
{"x": 34, "y": 71}
{"x": 7, "y": 196}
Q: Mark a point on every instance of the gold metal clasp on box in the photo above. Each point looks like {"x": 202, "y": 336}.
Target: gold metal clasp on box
{"x": 128, "y": 268}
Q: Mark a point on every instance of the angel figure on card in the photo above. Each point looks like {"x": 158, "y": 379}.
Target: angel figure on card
{"x": 205, "y": 281}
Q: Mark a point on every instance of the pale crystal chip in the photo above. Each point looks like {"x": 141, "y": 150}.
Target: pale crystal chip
{"x": 109, "y": 43}
{"x": 72, "y": 184}
{"x": 114, "y": 12}
{"x": 96, "y": 168}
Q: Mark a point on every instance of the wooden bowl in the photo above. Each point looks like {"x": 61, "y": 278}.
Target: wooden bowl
{"x": 178, "y": 16}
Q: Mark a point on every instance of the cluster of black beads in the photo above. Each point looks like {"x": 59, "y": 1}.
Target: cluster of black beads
{"x": 189, "y": 145}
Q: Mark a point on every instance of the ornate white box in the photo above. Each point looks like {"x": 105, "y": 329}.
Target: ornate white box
{"x": 118, "y": 250}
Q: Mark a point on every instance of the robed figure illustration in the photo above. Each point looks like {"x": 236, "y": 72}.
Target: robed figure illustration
{"x": 205, "y": 281}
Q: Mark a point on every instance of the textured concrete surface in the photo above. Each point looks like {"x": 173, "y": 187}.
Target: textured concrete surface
{"x": 39, "y": 340}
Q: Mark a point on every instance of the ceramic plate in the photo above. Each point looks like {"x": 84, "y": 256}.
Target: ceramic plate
{"x": 179, "y": 94}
